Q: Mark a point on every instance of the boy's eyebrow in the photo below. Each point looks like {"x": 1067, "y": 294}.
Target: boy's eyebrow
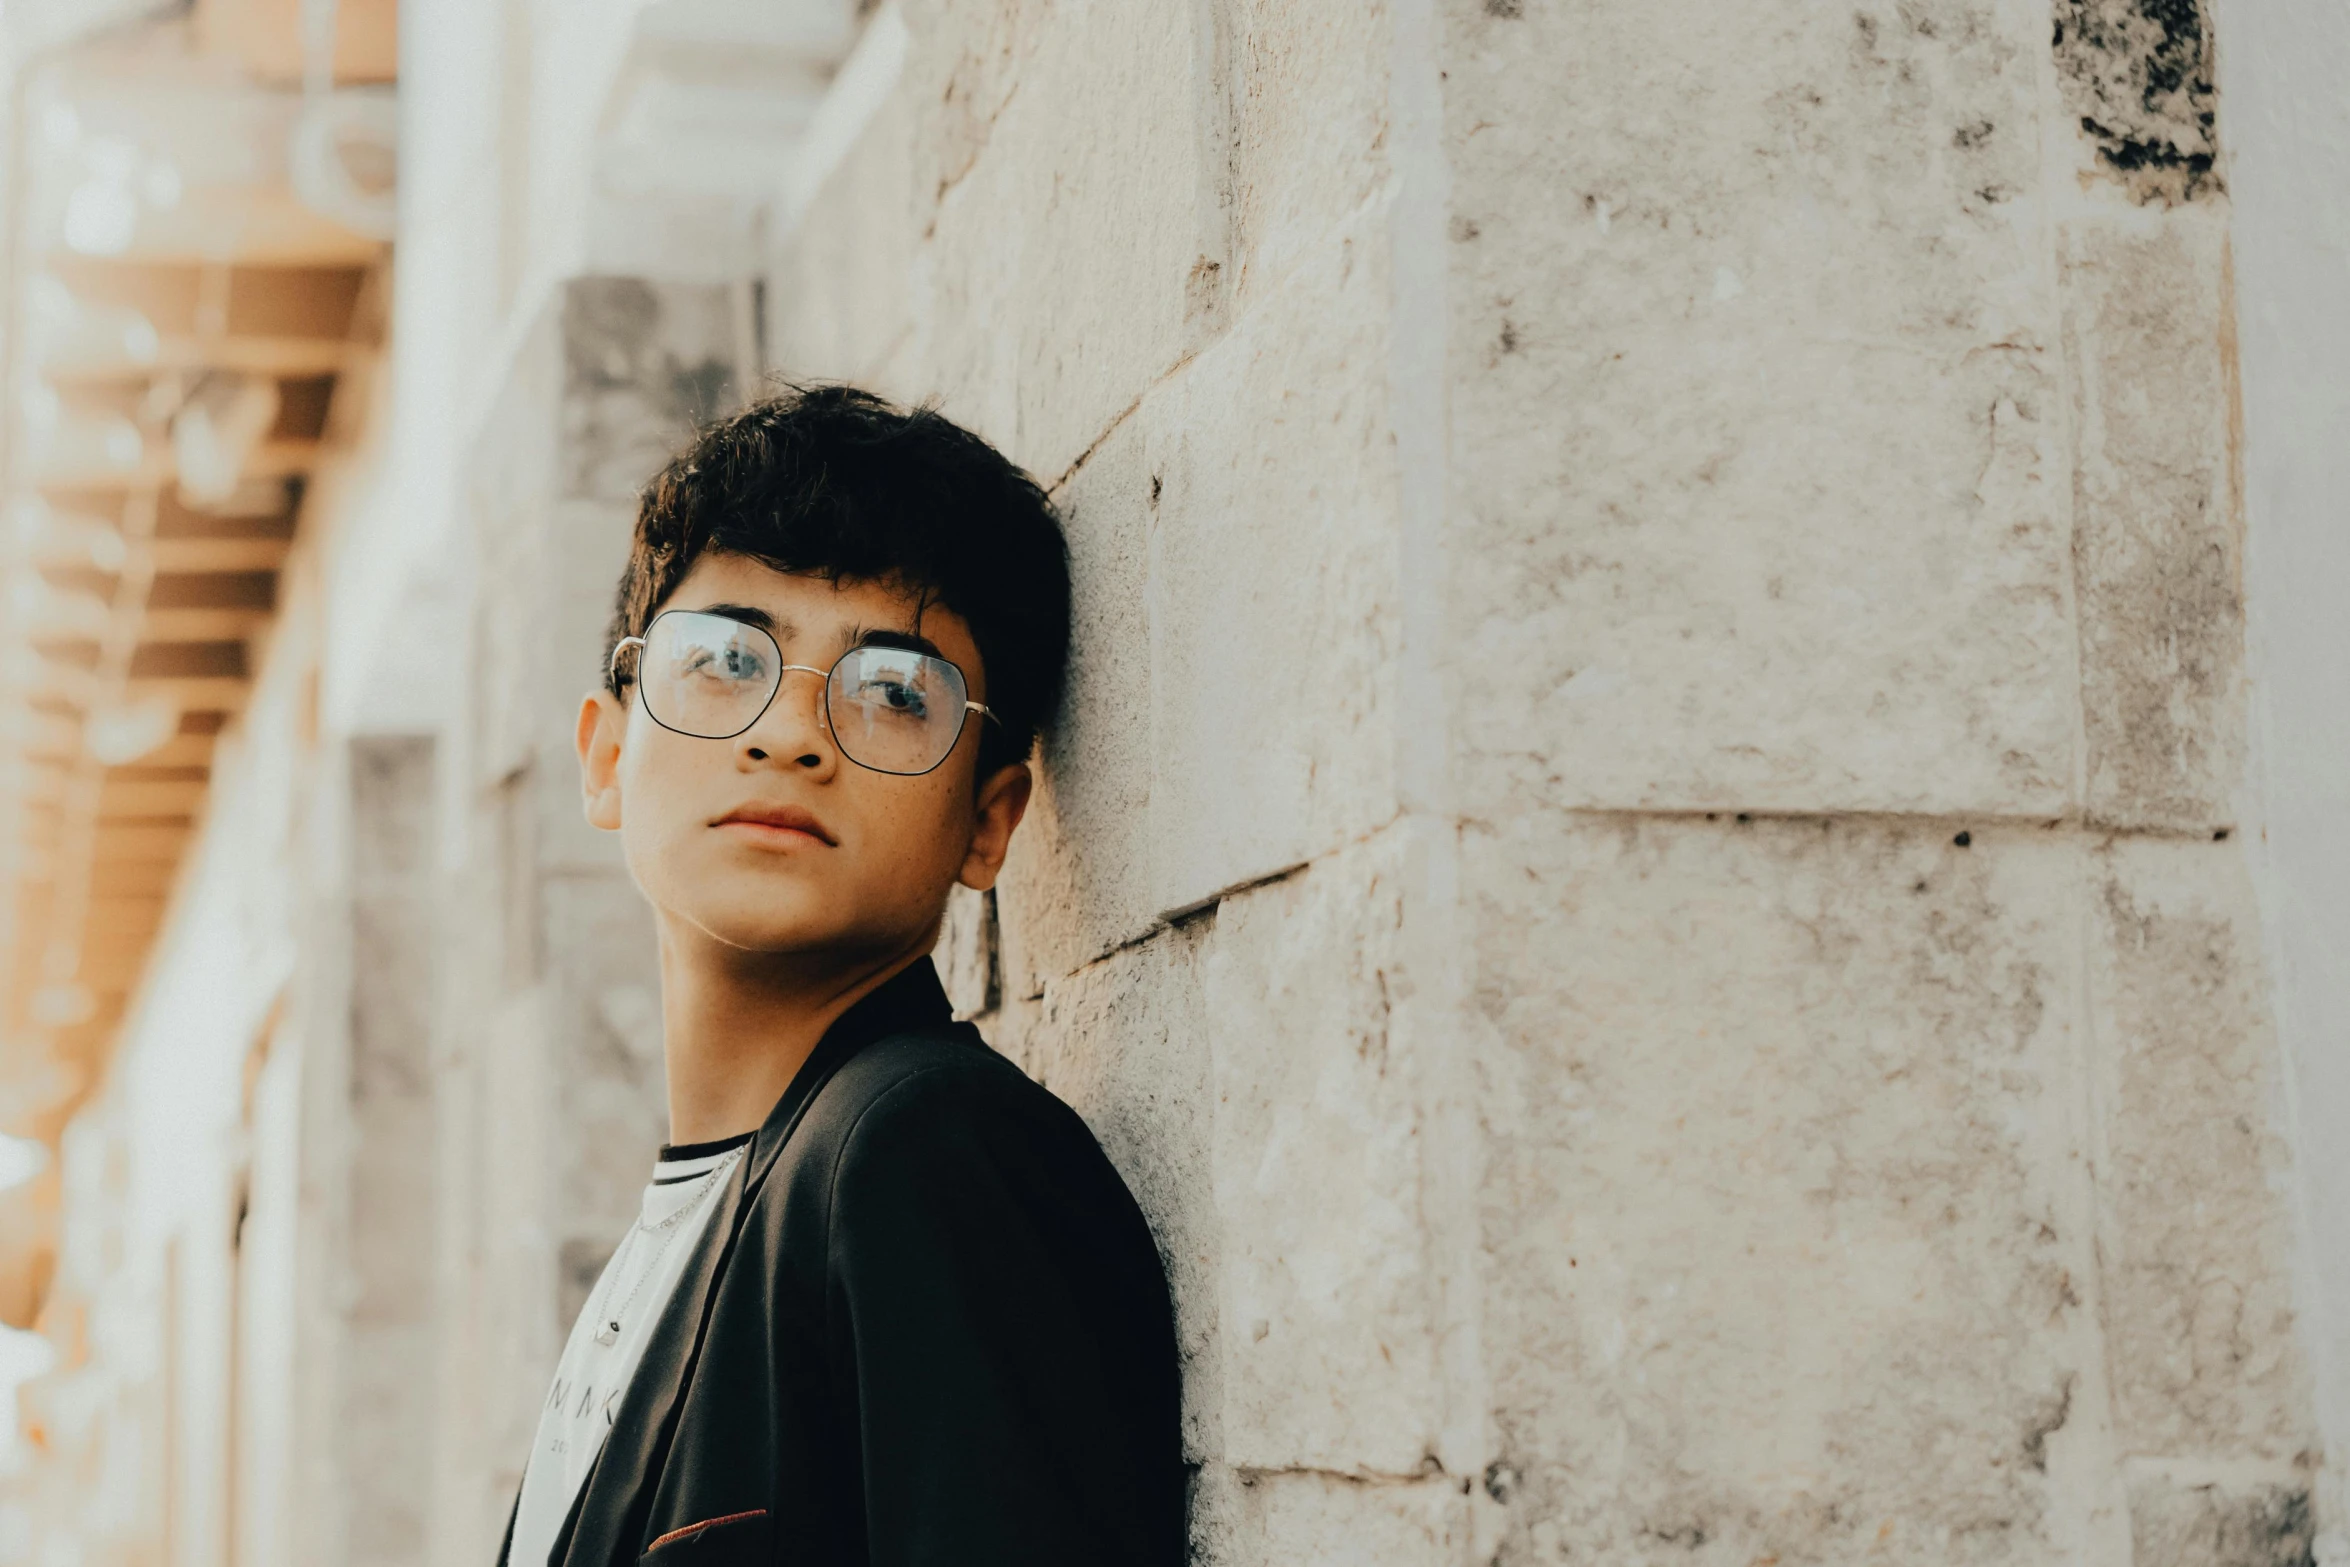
{"x": 882, "y": 636}
{"x": 749, "y": 615}
{"x": 854, "y": 636}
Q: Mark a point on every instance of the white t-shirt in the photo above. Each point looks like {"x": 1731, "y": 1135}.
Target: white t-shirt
{"x": 609, "y": 1338}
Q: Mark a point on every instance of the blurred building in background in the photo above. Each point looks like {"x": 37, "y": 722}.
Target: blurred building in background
{"x": 1695, "y": 865}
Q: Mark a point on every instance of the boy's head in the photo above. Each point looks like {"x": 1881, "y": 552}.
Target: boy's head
{"x": 810, "y": 583}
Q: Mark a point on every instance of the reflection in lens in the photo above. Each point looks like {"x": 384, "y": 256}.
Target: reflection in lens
{"x": 708, "y": 675}
{"x": 895, "y": 710}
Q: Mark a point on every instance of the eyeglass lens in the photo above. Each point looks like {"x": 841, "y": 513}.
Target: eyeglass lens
{"x": 890, "y": 709}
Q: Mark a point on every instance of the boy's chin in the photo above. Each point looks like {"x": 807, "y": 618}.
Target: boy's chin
{"x": 787, "y": 932}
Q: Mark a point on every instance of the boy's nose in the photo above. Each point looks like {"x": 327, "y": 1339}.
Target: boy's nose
{"x": 794, "y": 723}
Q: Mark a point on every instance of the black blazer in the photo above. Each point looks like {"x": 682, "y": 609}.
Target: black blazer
{"x": 927, "y": 1325}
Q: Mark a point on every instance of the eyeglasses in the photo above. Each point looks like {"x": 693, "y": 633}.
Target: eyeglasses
{"x": 890, "y": 709}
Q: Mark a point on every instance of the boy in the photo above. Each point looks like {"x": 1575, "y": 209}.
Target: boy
{"x": 886, "y": 1301}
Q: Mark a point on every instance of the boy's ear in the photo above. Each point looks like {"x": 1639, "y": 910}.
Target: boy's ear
{"x": 1003, "y": 800}
{"x": 602, "y": 721}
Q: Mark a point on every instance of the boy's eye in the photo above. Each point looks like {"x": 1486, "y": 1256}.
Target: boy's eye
{"x": 733, "y": 662}
{"x": 896, "y": 696}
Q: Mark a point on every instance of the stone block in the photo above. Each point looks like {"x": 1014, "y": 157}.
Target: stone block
{"x": 386, "y": 1441}
{"x": 1079, "y": 879}
{"x": 1123, "y": 1043}
{"x": 389, "y": 1242}
{"x": 2157, "y": 534}
{"x": 392, "y": 812}
{"x": 1244, "y": 1518}
{"x": 1308, "y": 102}
{"x": 643, "y": 363}
{"x": 849, "y": 288}
{"x": 966, "y": 952}
{"x": 1274, "y": 617}
{"x": 2182, "y": 1524}
{"x": 1329, "y": 1354}
{"x": 611, "y": 1094}
{"x": 510, "y": 477}
{"x": 2193, "y": 1168}
{"x": 1786, "y": 1239}
{"x": 1757, "y": 410}
{"x": 965, "y": 64}
{"x": 512, "y": 462}
{"x": 564, "y": 607}
{"x": 1064, "y": 272}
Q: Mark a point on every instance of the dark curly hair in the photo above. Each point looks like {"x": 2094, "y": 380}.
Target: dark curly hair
{"x": 835, "y": 482}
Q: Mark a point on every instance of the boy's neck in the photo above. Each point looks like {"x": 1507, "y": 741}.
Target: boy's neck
{"x": 737, "y": 1026}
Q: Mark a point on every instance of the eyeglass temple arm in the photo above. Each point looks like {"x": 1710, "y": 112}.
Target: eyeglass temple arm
{"x": 612, "y": 664}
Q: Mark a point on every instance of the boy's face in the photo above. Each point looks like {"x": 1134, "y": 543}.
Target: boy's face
{"x": 865, "y": 872}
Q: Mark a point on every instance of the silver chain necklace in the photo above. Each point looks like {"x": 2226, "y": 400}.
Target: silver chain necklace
{"x": 608, "y": 1323}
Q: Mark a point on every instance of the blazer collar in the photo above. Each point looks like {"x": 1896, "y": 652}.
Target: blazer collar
{"x": 908, "y": 1000}
{"x": 610, "y": 1507}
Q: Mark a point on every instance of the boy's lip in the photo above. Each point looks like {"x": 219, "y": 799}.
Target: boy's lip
{"x": 784, "y": 818}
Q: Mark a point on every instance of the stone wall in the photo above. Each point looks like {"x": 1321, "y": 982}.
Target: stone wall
{"x": 381, "y": 1429}
{"x": 1641, "y": 871}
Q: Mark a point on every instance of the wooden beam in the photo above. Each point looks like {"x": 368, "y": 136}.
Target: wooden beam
{"x": 201, "y": 625}
{"x": 107, "y": 965}
{"x": 123, "y": 921}
{"x": 265, "y": 37}
{"x": 273, "y": 356}
{"x": 184, "y": 554}
{"x": 152, "y": 659}
{"x": 213, "y": 590}
{"x": 182, "y": 750}
{"x": 45, "y": 787}
{"x": 64, "y": 682}
{"x": 271, "y": 459}
{"x": 123, "y": 843}
{"x": 149, "y": 799}
{"x": 267, "y": 225}
{"x": 51, "y": 736}
{"x": 195, "y": 694}
{"x": 133, "y": 878}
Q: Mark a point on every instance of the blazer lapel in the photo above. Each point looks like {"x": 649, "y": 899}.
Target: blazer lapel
{"x": 608, "y": 1516}
{"x": 603, "y": 1516}
{"x": 912, "y": 998}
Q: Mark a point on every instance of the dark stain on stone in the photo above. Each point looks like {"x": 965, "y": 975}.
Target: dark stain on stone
{"x": 2221, "y": 836}
{"x": 1512, "y": 9}
{"x": 1964, "y": 839}
{"x": 1689, "y": 1536}
{"x": 1465, "y": 229}
{"x": 1501, "y": 1481}
{"x": 2045, "y": 1423}
{"x": 1971, "y": 135}
{"x": 1509, "y": 336}
{"x": 1203, "y": 288}
{"x": 2285, "y": 1532}
{"x": 2204, "y": 1526}
{"x": 2137, "y": 74}
{"x": 640, "y": 371}
{"x": 701, "y": 391}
